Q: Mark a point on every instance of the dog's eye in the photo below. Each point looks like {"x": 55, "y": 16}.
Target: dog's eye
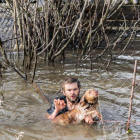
{"x": 96, "y": 98}
{"x": 85, "y": 100}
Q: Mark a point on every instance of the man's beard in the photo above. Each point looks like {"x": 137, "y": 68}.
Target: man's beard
{"x": 73, "y": 101}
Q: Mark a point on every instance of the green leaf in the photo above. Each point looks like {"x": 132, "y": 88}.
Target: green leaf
{"x": 39, "y": 9}
{"x": 129, "y": 131}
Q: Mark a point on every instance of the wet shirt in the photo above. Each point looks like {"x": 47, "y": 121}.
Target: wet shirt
{"x": 52, "y": 108}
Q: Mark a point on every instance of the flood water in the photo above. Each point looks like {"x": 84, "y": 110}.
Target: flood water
{"x": 23, "y": 113}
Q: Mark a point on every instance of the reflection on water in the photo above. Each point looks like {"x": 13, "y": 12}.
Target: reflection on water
{"x": 23, "y": 113}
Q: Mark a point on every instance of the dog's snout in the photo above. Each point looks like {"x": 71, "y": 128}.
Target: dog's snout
{"x": 97, "y": 93}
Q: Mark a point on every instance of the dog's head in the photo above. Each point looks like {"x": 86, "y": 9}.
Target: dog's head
{"x": 90, "y": 97}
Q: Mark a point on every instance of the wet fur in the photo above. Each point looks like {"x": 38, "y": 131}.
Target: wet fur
{"x": 87, "y": 106}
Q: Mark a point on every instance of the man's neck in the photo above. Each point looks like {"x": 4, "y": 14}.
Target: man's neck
{"x": 71, "y": 105}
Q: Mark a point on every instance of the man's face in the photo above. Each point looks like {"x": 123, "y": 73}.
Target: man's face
{"x": 71, "y": 91}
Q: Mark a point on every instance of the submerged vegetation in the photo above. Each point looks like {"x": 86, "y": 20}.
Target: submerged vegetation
{"x": 48, "y": 28}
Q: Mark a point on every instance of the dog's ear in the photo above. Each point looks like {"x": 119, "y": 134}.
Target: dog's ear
{"x": 82, "y": 103}
{"x": 82, "y": 99}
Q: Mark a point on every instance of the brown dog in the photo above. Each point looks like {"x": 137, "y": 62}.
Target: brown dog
{"x": 87, "y": 106}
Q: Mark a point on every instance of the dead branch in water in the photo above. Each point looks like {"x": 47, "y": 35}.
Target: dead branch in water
{"x": 10, "y": 64}
{"x": 1, "y": 67}
{"x": 40, "y": 93}
{"x": 79, "y": 25}
{"x": 132, "y": 94}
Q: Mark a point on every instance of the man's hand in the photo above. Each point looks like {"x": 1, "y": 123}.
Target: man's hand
{"x": 89, "y": 120}
{"x": 59, "y": 105}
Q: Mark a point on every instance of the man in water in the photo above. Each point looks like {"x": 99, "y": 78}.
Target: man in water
{"x": 71, "y": 89}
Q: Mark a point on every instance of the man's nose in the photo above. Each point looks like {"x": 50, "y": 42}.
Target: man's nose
{"x": 72, "y": 91}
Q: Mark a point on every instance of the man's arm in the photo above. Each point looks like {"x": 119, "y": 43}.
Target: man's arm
{"x": 59, "y": 105}
{"x": 53, "y": 115}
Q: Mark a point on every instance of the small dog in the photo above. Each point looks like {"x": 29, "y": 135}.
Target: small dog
{"x": 87, "y": 106}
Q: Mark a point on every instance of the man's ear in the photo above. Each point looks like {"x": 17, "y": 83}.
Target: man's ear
{"x": 79, "y": 90}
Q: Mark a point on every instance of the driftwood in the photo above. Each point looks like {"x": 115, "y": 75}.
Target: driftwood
{"x": 132, "y": 94}
{"x": 40, "y": 93}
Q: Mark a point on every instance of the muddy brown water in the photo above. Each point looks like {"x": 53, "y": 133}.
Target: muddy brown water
{"x": 23, "y": 113}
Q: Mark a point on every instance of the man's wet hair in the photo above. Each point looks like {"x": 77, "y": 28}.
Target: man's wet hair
{"x": 70, "y": 80}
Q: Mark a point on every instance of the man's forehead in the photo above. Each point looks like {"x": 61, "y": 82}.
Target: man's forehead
{"x": 71, "y": 86}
